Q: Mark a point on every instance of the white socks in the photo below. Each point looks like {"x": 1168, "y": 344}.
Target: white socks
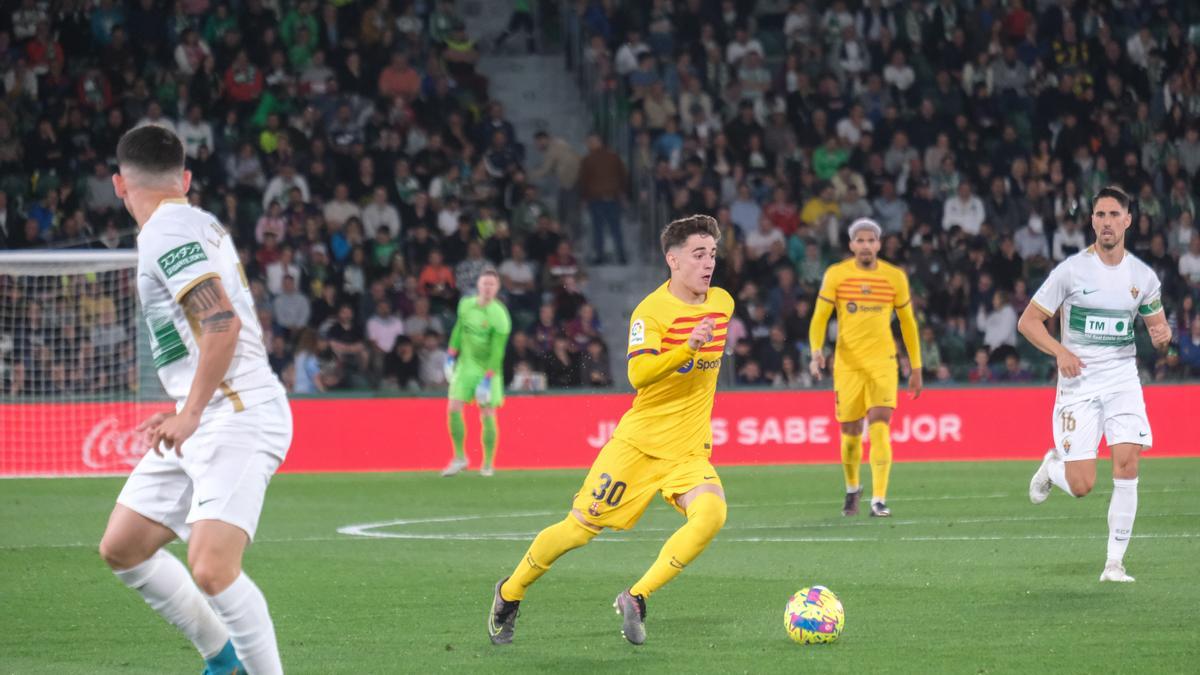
{"x": 165, "y": 584}
{"x": 1058, "y": 473}
{"x": 244, "y": 610}
{"x": 1121, "y": 512}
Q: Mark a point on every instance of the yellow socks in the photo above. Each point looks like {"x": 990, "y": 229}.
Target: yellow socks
{"x": 881, "y": 460}
{"x": 705, "y": 516}
{"x": 547, "y": 547}
{"x": 851, "y": 460}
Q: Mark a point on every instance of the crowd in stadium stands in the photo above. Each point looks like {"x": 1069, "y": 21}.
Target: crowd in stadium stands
{"x": 974, "y": 132}
{"x": 352, "y": 151}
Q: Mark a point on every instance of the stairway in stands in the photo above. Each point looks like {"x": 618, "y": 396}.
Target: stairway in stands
{"x": 539, "y": 93}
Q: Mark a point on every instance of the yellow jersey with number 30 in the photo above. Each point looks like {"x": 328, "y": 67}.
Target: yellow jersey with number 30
{"x": 671, "y": 416}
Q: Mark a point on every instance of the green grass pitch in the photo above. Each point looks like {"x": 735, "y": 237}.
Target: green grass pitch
{"x": 966, "y": 577}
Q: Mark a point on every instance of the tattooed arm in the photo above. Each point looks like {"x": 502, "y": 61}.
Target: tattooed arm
{"x": 210, "y": 311}
{"x": 211, "y": 315}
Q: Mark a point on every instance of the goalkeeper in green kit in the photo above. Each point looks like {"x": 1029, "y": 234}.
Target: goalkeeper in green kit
{"x": 474, "y": 368}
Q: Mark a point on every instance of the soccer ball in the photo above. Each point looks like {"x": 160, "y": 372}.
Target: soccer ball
{"x": 814, "y": 615}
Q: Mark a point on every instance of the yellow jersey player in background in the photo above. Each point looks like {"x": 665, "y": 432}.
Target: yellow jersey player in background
{"x": 662, "y": 444}
{"x": 865, "y": 290}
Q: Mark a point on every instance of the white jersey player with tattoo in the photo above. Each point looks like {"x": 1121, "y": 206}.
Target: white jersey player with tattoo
{"x": 1098, "y": 293}
{"x": 205, "y": 475}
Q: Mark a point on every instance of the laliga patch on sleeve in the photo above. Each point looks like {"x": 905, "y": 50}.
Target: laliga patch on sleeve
{"x": 180, "y": 257}
{"x": 637, "y": 333}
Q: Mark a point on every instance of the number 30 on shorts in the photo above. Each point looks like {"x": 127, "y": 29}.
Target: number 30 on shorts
{"x": 614, "y": 491}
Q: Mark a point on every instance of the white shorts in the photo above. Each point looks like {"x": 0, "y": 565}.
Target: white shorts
{"x": 1120, "y": 416}
{"x": 223, "y": 474}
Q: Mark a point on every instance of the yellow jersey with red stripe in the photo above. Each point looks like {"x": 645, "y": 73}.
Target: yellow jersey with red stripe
{"x": 671, "y": 415}
{"x": 865, "y": 300}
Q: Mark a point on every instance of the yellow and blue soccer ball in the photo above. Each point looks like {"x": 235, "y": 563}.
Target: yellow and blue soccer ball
{"x": 814, "y": 615}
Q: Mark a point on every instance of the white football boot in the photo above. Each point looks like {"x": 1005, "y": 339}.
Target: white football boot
{"x": 1040, "y": 485}
{"x": 1115, "y": 571}
{"x": 455, "y": 466}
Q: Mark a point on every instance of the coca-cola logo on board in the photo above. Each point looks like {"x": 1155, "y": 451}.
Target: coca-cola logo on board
{"x": 109, "y": 445}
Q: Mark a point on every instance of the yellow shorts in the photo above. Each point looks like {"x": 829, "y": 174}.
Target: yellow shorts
{"x": 623, "y": 480}
{"x": 857, "y": 391}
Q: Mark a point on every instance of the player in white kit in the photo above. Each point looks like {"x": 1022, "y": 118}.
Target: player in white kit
{"x": 1100, "y": 292}
{"x": 206, "y": 473}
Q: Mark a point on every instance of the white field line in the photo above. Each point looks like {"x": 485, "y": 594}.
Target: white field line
{"x": 376, "y": 531}
{"x": 369, "y": 531}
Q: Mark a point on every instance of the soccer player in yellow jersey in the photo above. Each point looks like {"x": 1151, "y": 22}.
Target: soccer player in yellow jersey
{"x": 662, "y": 444}
{"x": 864, "y": 290}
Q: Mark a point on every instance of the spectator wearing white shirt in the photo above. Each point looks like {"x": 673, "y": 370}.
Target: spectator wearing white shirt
{"x": 759, "y": 241}
{"x": 853, "y": 126}
{"x": 340, "y": 208}
{"x": 447, "y": 219}
{"x": 433, "y": 362}
{"x": 898, "y": 73}
{"x": 628, "y": 54}
{"x": 1189, "y": 264}
{"x": 195, "y": 131}
{"x": 1138, "y": 47}
{"x": 384, "y": 327}
{"x": 999, "y": 326}
{"x": 963, "y": 209}
{"x": 285, "y": 266}
{"x": 279, "y": 186}
{"x": 872, "y": 20}
{"x": 1068, "y": 240}
{"x": 1031, "y": 239}
{"x": 741, "y": 45}
{"x": 854, "y": 58}
{"x": 154, "y": 117}
{"x": 379, "y": 213}
{"x": 798, "y": 24}
{"x": 836, "y": 19}
{"x": 191, "y": 52}
{"x": 519, "y": 277}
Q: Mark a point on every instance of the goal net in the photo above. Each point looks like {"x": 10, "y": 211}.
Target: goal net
{"x": 75, "y": 371}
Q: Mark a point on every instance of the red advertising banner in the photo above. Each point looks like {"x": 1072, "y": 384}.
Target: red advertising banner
{"x": 566, "y": 431}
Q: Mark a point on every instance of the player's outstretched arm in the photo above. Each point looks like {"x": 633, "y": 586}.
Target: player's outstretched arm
{"x": 1033, "y": 326}
{"x": 210, "y": 311}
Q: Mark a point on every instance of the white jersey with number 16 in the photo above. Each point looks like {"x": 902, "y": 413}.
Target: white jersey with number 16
{"x": 179, "y": 247}
{"x": 1100, "y": 304}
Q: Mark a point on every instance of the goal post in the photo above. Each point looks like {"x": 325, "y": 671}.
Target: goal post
{"x": 75, "y": 370}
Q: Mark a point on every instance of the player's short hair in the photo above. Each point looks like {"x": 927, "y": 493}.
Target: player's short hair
{"x": 676, "y": 232}
{"x": 1114, "y": 192}
{"x": 151, "y": 151}
{"x": 489, "y": 271}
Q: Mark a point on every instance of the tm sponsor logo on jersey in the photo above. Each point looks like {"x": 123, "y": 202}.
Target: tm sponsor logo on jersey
{"x": 178, "y": 258}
